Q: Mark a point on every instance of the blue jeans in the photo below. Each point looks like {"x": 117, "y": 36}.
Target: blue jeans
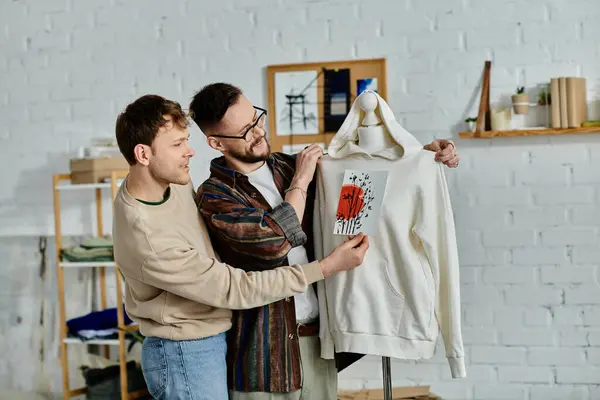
{"x": 186, "y": 369}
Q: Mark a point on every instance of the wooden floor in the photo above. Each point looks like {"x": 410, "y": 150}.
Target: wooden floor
{"x": 398, "y": 393}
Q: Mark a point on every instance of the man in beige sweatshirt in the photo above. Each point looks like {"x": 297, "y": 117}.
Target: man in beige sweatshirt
{"x": 176, "y": 289}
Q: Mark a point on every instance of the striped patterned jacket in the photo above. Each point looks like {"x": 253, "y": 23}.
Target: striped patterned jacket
{"x": 263, "y": 350}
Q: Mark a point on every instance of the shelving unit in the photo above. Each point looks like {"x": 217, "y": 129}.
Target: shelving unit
{"x": 62, "y": 182}
{"x": 483, "y": 124}
{"x": 528, "y": 132}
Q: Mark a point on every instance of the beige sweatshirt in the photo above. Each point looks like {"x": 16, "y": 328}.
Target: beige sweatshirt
{"x": 175, "y": 287}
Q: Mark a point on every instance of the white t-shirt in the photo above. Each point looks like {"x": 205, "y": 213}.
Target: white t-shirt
{"x": 307, "y": 306}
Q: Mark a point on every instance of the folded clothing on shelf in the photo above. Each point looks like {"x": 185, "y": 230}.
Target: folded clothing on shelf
{"x": 98, "y": 333}
{"x": 131, "y": 337}
{"x": 92, "y": 249}
{"x": 100, "y": 242}
{"x": 105, "y": 383}
{"x": 80, "y": 254}
{"x": 97, "y": 324}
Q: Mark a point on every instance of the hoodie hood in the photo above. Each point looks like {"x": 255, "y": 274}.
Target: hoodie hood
{"x": 344, "y": 143}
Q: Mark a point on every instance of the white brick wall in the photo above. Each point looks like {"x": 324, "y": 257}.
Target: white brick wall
{"x": 527, "y": 209}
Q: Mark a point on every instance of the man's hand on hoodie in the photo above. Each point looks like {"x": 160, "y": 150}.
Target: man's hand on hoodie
{"x": 345, "y": 256}
{"x": 445, "y": 152}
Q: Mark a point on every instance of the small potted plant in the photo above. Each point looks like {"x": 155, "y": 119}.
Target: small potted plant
{"x": 544, "y": 98}
{"x": 520, "y": 101}
{"x": 471, "y": 122}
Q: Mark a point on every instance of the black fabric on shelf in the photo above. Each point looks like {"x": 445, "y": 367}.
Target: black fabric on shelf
{"x": 105, "y": 383}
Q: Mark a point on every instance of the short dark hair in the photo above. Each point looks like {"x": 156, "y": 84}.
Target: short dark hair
{"x": 210, "y": 104}
{"x": 141, "y": 121}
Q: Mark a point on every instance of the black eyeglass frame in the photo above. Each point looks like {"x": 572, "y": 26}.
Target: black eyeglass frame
{"x": 263, "y": 113}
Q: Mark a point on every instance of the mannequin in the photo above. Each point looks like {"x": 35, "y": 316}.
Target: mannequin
{"x": 372, "y": 135}
{"x": 408, "y": 295}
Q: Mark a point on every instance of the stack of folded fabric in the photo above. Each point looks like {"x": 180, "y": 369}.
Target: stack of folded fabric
{"x": 93, "y": 249}
{"x": 105, "y": 383}
{"x": 97, "y": 325}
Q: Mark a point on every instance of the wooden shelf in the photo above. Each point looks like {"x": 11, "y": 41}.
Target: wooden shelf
{"x": 528, "y": 132}
{"x": 74, "y": 340}
{"x": 483, "y": 125}
{"x": 87, "y": 264}
{"x": 86, "y": 186}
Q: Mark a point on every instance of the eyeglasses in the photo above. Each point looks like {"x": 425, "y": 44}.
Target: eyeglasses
{"x": 260, "y": 122}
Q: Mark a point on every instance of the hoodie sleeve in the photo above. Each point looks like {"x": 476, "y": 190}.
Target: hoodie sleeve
{"x": 327, "y": 346}
{"x": 435, "y": 228}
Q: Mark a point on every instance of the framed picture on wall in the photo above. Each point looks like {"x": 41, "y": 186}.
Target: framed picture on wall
{"x": 296, "y": 103}
{"x": 308, "y": 102}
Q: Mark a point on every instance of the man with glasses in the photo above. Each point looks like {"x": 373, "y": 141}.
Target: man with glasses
{"x": 176, "y": 288}
{"x": 258, "y": 208}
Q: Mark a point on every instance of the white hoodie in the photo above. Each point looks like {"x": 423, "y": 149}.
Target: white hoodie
{"x": 407, "y": 289}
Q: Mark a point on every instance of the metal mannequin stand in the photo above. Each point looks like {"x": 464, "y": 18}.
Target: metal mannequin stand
{"x": 387, "y": 378}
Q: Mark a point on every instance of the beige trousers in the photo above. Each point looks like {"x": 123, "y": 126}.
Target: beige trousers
{"x": 319, "y": 377}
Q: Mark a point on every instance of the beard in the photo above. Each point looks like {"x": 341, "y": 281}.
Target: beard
{"x": 249, "y": 157}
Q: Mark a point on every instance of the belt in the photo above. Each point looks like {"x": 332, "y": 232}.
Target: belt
{"x": 310, "y": 329}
